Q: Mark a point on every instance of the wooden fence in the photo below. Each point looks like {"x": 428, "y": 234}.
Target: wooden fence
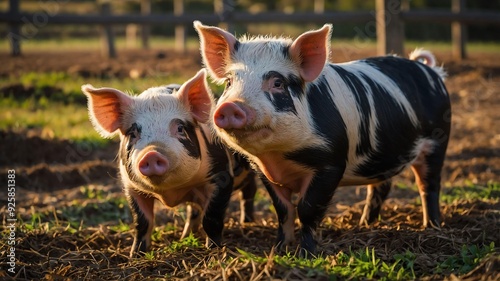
{"x": 388, "y": 19}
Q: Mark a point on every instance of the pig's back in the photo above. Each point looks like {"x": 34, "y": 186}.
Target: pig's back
{"x": 376, "y": 112}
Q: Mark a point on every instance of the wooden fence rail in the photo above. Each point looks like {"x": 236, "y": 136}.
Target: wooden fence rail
{"x": 388, "y": 19}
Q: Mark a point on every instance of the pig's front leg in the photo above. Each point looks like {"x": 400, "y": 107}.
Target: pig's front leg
{"x": 314, "y": 204}
{"x": 375, "y": 196}
{"x": 285, "y": 212}
{"x": 247, "y": 200}
{"x": 142, "y": 207}
{"x": 213, "y": 220}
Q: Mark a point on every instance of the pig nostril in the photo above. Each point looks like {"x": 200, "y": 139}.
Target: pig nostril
{"x": 229, "y": 115}
{"x": 153, "y": 164}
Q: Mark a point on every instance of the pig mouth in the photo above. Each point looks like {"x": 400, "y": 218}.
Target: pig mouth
{"x": 250, "y": 134}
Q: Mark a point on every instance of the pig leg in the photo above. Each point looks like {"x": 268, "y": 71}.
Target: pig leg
{"x": 314, "y": 204}
{"x": 213, "y": 220}
{"x": 193, "y": 219}
{"x": 375, "y": 196}
{"x": 142, "y": 207}
{"x": 285, "y": 211}
{"x": 247, "y": 200}
{"x": 427, "y": 170}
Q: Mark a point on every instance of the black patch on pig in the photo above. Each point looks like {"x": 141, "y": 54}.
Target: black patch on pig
{"x": 328, "y": 123}
{"x": 190, "y": 143}
{"x": 283, "y": 101}
{"x": 132, "y": 135}
{"x": 171, "y": 87}
{"x": 355, "y": 85}
{"x": 296, "y": 86}
{"x": 284, "y": 51}
{"x": 410, "y": 78}
{"x": 395, "y": 133}
{"x": 217, "y": 154}
{"x": 130, "y": 138}
{"x": 428, "y": 97}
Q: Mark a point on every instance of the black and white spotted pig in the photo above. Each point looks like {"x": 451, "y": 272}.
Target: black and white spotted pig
{"x": 310, "y": 125}
{"x": 167, "y": 153}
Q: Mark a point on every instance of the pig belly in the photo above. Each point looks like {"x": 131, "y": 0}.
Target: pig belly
{"x": 420, "y": 148}
{"x": 350, "y": 177}
{"x": 353, "y": 180}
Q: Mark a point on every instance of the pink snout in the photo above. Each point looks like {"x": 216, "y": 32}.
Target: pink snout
{"x": 230, "y": 115}
{"x": 153, "y": 164}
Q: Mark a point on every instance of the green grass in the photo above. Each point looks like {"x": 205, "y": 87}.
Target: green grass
{"x": 188, "y": 242}
{"x": 365, "y": 264}
{"x": 92, "y": 44}
{"x": 468, "y": 192}
{"x": 472, "y": 192}
{"x": 470, "y": 256}
{"x": 57, "y": 107}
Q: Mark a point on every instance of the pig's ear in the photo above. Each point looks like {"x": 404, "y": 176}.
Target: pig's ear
{"x": 216, "y": 47}
{"x": 106, "y": 108}
{"x": 195, "y": 94}
{"x": 311, "y": 51}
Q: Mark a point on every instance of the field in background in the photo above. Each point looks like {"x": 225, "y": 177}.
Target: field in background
{"x": 75, "y": 223}
{"x": 156, "y": 42}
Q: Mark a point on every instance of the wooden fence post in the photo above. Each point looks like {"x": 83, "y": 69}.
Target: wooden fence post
{"x": 224, "y": 8}
{"x": 458, "y": 32}
{"x": 319, "y": 6}
{"x": 131, "y": 35}
{"x": 145, "y": 28}
{"x": 180, "y": 30}
{"x": 14, "y": 33}
{"x": 389, "y": 27}
{"x": 107, "y": 36}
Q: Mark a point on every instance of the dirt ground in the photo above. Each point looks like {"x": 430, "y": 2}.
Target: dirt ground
{"x": 51, "y": 171}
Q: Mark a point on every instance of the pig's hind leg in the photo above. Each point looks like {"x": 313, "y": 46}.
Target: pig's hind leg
{"x": 427, "y": 170}
{"x": 193, "y": 219}
{"x": 375, "y": 197}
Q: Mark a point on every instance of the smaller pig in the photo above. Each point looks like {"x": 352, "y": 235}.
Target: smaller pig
{"x": 168, "y": 153}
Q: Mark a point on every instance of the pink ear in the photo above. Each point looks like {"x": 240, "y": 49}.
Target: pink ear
{"x": 196, "y": 95}
{"x": 106, "y": 107}
{"x": 216, "y": 47}
{"x": 311, "y": 50}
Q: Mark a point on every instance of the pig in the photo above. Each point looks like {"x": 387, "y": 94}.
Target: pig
{"x": 167, "y": 152}
{"x": 309, "y": 125}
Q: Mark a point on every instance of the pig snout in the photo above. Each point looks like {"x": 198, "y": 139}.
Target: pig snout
{"x": 153, "y": 164}
{"x": 230, "y": 115}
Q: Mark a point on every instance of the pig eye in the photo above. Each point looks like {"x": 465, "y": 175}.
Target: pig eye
{"x": 278, "y": 83}
{"x": 228, "y": 83}
{"x": 181, "y": 130}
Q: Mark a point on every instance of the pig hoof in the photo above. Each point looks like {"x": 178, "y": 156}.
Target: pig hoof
{"x": 308, "y": 247}
{"x": 248, "y": 219}
{"x": 213, "y": 243}
{"x": 306, "y": 254}
{"x": 433, "y": 225}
